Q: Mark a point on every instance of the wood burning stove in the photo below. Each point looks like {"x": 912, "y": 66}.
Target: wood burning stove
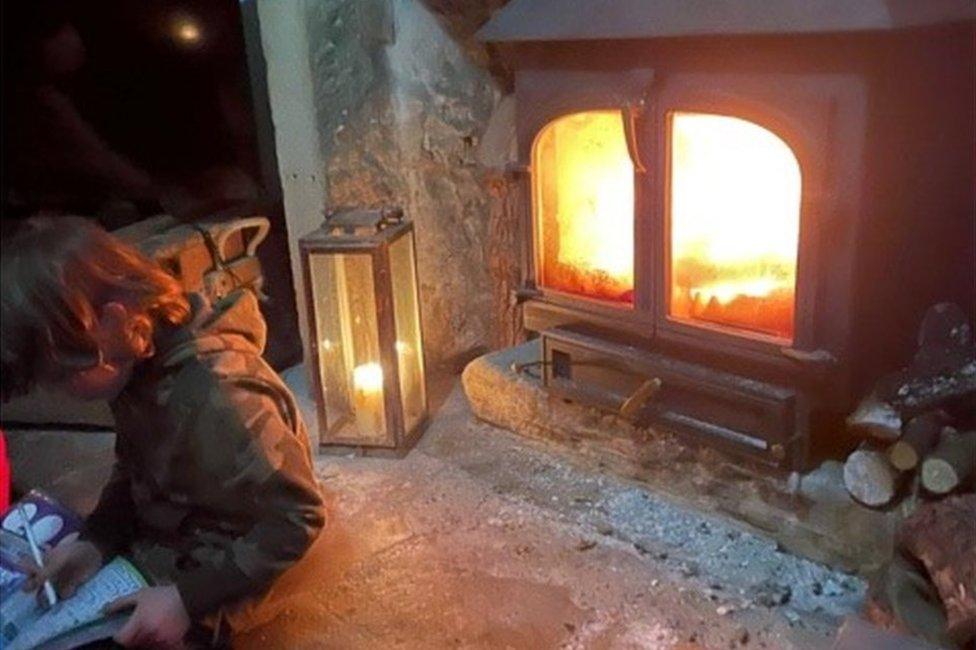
{"x": 738, "y": 214}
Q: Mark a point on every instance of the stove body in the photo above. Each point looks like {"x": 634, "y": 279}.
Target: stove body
{"x": 862, "y": 158}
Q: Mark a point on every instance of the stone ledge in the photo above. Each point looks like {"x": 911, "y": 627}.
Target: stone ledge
{"x": 811, "y": 515}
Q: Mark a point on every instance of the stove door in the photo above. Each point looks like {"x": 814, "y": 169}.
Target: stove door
{"x": 734, "y": 224}
{"x": 756, "y": 177}
{"x": 583, "y": 206}
{"x": 582, "y": 139}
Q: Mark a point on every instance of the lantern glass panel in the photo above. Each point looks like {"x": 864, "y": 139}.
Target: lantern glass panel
{"x": 349, "y": 351}
{"x": 409, "y": 349}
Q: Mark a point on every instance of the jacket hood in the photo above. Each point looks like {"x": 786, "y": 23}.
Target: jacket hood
{"x": 233, "y": 323}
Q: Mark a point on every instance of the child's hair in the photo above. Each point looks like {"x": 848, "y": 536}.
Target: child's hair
{"x": 57, "y": 273}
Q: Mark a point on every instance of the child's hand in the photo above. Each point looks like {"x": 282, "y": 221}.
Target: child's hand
{"x": 159, "y": 620}
{"x": 67, "y": 566}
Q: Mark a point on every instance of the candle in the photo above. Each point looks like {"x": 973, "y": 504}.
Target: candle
{"x": 367, "y": 382}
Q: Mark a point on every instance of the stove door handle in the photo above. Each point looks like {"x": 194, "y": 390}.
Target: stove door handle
{"x": 632, "y": 114}
{"x": 640, "y": 397}
{"x": 819, "y": 357}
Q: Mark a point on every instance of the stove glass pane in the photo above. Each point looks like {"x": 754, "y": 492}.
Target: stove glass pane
{"x": 734, "y": 224}
{"x": 583, "y": 189}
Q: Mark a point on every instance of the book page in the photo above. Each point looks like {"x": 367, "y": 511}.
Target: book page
{"x": 52, "y": 525}
{"x": 103, "y": 628}
{"x": 27, "y": 628}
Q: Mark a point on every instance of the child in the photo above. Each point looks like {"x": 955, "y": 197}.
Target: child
{"x": 213, "y": 494}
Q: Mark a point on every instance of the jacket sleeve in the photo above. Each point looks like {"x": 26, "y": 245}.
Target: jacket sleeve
{"x": 111, "y": 526}
{"x": 250, "y": 460}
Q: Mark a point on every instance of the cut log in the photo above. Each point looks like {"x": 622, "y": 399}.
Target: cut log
{"x": 951, "y": 464}
{"x": 901, "y": 600}
{"x": 947, "y": 390}
{"x": 920, "y": 436}
{"x": 870, "y": 478}
{"x": 876, "y": 418}
{"x": 942, "y": 375}
{"x": 941, "y": 536}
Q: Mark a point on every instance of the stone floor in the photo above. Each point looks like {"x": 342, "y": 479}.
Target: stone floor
{"x": 482, "y": 539}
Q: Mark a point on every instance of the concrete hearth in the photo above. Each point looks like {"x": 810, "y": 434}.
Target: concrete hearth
{"x": 484, "y": 539}
{"x": 809, "y": 514}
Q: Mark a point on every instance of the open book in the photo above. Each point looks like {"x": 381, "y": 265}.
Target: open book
{"x": 24, "y": 624}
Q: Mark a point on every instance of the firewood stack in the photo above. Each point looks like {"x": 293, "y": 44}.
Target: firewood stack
{"x": 919, "y": 437}
{"x": 919, "y": 451}
{"x": 928, "y": 589}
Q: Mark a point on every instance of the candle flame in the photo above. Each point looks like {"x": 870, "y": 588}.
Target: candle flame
{"x": 368, "y": 377}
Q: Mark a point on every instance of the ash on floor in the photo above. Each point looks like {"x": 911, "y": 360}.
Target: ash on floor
{"x": 482, "y": 539}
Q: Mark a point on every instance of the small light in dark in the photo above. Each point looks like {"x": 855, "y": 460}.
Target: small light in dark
{"x": 186, "y": 30}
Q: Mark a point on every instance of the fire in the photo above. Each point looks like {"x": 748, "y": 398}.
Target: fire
{"x": 735, "y": 217}
{"x": 368, "y": 377}
{"x": 367, "y": 382}
{"x": 584, "y": 196}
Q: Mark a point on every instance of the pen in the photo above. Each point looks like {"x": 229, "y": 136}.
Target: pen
{"x": 52, "y": 598}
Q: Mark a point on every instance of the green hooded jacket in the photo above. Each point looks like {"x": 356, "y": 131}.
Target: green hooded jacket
{"x": 213, "y": 489}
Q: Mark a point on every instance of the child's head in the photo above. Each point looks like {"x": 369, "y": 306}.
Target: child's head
{"x": 79, "y": 308}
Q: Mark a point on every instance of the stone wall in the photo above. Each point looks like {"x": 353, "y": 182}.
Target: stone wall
{"x": 401, "y": 96}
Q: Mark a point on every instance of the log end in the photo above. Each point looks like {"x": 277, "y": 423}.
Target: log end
{"x": 939, "y": 476}
{"x": 903, "y": 456}
{"x": 869, "y": 478}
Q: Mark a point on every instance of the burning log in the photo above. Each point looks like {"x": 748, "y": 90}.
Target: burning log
{"x": 951, "y": 464}
{"x": 870, "y": 478}
{"x": 921, "y": 435}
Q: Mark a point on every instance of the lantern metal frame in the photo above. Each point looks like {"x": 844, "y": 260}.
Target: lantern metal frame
{"x": 373, "y": 232}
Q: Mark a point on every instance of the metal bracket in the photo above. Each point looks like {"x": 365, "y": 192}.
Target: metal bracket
{"x": 522, "y": 294}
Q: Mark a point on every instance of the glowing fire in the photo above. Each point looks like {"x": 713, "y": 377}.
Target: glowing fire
{"x": 735, "y": 216}
{"x": 583, "y": 181}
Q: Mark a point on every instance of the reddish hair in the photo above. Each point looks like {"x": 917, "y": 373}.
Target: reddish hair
{"x": 57, "y": 273}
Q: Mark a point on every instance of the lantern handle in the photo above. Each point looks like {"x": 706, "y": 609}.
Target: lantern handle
{"x": 390, "y": 216}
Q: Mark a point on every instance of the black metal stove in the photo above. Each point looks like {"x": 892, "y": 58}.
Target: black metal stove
{"x": 734, "y": 214}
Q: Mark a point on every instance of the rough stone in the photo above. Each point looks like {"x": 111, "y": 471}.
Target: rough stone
{"x": 821, "y": 522}
{"x": 401, "y": 120}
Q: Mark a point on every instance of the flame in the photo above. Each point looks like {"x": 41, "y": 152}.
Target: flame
{"x": 368, "y": 377}
{"x": 584, "y": 192}
{"x": 735, "y": 216}
{"x": 726, "y": 292}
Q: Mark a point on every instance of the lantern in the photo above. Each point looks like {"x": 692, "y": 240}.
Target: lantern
{"x": 364, "y": 328}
